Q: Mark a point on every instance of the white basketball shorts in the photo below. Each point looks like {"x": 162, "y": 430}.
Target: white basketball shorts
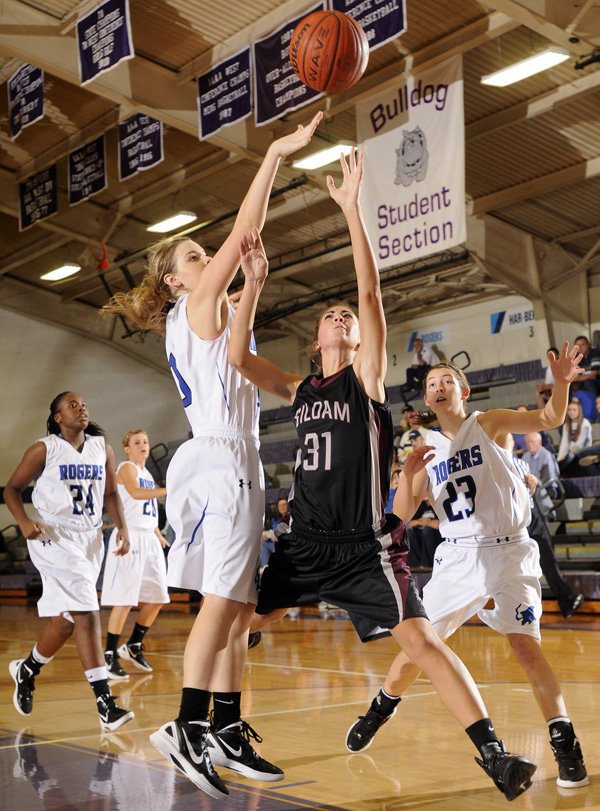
{"x": 465, "y": 578}
{"x": 69, "y": 562}
{"x": 140, "y": 576}
{"x": 215, "y": 505}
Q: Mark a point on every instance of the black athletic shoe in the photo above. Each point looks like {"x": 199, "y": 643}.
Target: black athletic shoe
{"x": 254, "y": 639}
{"x": 135, "y": 654}
{"x": 511, "y": 773}
{"x": 111, "y": 717}
{"x": 361, "y": 733}
{"x": 24, "y": 686}
{"x": 571, "y": 768}
{"x": 113, "y": 666}
{"x": 185, "y": 745}
{"x": 230, "y": 747}
{"x": 569, "y": 605}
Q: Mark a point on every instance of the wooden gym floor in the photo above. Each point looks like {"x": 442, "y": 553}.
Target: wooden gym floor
{"x": 305, "y": 684}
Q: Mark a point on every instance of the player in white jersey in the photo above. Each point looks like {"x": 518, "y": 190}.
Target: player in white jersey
{"x": 139, "y": 578}
{"x": 215, "y": 483}
{"x": 74, "y": 474}
{"x": 467, "y": 472}
{"x": 340, "y": 547}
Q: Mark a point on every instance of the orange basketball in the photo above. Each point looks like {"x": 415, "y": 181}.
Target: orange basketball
{"x": 329, "y": 51}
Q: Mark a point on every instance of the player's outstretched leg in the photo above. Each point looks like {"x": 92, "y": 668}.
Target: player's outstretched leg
{"x": 184, "y": 743}
{"x": 230, "y": 747}
{"x": 361, "y": 733}
{"x": 511, "y": 773}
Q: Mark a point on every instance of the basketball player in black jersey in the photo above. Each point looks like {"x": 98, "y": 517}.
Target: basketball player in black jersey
{"x": 341, "y": 546}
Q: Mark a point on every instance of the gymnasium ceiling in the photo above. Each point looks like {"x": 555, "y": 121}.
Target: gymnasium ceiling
{"x": 532, "y": 160}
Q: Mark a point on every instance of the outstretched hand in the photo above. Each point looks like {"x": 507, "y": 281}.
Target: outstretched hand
{"x": 565, "y": 367}
{"x": 294, "y": 141}
{"x": 253, "y": 259}
{"x": 417, "y": 460}
{"x": 352, "y": 169}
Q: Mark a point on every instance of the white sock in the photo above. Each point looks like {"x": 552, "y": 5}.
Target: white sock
{"x": 43, "y": 660}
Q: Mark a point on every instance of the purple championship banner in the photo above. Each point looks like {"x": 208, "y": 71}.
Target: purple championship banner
{"x": 140, "y": 145}
{"x": 381, "y": 20}
{"x": 87, "y": 171}
{"x": 25, "y": 98}
{"x": 224, "y": 94}
{"x": 277, "y": 89}
{"x": 38, "y": 198}
{"x": 103, "y": 39}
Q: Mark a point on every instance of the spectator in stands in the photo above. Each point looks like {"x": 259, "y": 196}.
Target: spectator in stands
{"x": 406, "y": 442}
{"x": 519, "y": 439}
{"x": 395, "y": 474}
{"x": 598, "y": 408}
{"x": 423, "y": 359}
{"x": 544, "y": 390}
{"x": 539, "y": 530}
{"x": 424, "y": 536}
{"x": 588, "y": 379}
{"x": 269, "y": 537}
{"x": 541, "y": 463}
{"x": 576, "y": 435}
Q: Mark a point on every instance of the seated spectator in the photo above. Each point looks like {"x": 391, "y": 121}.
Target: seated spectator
{"x": 587, "y": 400}
{"x": 269, "y": 537}
{"x": 542, "y": 464}
{"x": 423, "y": 536}
{"x": 404, "y": 425}
{"x": 423, "y": 359}
{"x": 590, "y": 363}
{"x": 395, "y": 475}
{"x": 519, "y": 439}
{"x": 544, "y": 390}
{"x": 576, "y": 435}
{"x": 406, "y": 441}
{"x": 598, "y": 408}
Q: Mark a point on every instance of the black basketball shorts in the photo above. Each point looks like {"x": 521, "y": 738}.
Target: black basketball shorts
{"x": 368, "y": 577}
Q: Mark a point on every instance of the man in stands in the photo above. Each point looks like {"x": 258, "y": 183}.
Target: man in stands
{"x": 423, "y": 359}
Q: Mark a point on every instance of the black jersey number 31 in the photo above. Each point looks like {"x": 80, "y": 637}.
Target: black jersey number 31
{"x": 464, "y": 486}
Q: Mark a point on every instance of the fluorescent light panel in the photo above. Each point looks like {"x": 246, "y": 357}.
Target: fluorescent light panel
{"x": 527, "y": 67}
{"x": 61, "y": 273}
{"x": 171, "y": 223}
{"x": 323, "y": 157}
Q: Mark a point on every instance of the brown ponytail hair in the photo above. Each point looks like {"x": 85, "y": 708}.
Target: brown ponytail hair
{"x": 313, "y": 353}
{"x": 147, "y": 305}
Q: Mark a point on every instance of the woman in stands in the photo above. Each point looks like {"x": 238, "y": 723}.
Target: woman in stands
{"x": 576, "y": 436}
{"x": 467, "y": 472}
{"x": 139, "y": 578}
{"x": 215, "y": 485}
{"x": 74, "y": 472}
{"x": 340, "y": 547}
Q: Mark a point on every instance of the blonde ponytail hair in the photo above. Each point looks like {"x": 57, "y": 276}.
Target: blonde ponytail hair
{"x": 147, "y": 305}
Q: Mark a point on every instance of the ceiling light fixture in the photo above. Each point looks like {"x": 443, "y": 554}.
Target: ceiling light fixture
{"x": 323, "y": 157}
{"x": 526, "y": 67}
{"x": 171, "y": 223}
{"x": 61, "y": 273}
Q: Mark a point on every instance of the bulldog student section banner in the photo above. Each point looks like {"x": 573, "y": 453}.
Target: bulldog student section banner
{"x": 413, "y": 194}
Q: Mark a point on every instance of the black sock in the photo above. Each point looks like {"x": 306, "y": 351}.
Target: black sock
{"x": 227, "y": 709}
{"x": 562, "y": 734}
{"x": 482, "y": 732}
{"x": 384, "y": 703}
{"x": 31, "y": 663}
{"x": 112, "y": 642}
{"x": 194, "y": 704}
{"x": 100, "y": 687}
{"x": 138, "y": 634}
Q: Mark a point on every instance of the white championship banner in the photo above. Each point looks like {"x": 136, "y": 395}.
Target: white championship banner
{"x": 413, "y": 196}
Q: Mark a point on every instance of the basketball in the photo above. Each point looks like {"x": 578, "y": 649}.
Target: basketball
{"x": 329, "y": 51}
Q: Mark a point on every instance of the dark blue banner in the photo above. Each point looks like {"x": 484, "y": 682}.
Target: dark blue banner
{"x": 25, "y": 98}
{"x": 224, "y": 94}
{"x": 140, "y": 145}
{"x": 38, "y": 198}
{"x": 381, "y": 20}
{"x": 87, "y": 171}
{"x": 103, "y": 39}
{"x": 277, "y": 89}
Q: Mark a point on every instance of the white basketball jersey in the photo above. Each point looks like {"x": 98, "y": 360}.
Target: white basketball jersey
{"x": 475, "y": 488}
{"x": 213, "y": 393}
{"x": 139, "y": 514}
{"x": 70, "y": 489}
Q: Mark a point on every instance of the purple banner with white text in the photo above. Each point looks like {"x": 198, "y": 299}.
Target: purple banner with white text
{"x": 224, "y": 94}
{"x": 38, "y": 198}
{"x": 381, "y": 20}
{"x": 103, "y": 39}
{"x": 25, "y": 98}
{"x": 87, "y": 171}
{"x": 140, "y": 145}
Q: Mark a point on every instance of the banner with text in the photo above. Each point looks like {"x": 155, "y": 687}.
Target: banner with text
{"x": 381, "y": 20}
{"x": 140, "y": 145}
{"x": 277, "y": 89}
{"x": 103, "y": 39}
{"x": 225, "y": 94}
{"x": 413, "y": 193}
{"x": 25, "y": 98}
{"x": 87, "y": 171}
{"x": 514, "y": 318}
{"x": 38, "y": 198}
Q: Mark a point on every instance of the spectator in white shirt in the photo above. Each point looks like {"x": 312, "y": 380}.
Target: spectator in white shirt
{"x": 423, "y": 359}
